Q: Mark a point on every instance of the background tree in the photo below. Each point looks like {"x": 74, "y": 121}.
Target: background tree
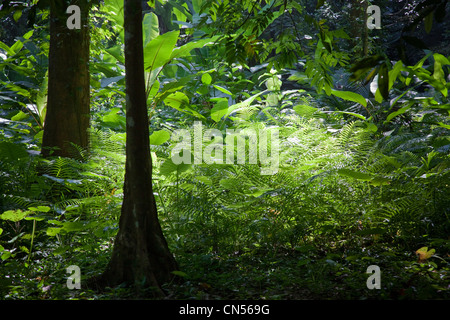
{"x": 141, "y": 257}
{"x": 67, "y": 117}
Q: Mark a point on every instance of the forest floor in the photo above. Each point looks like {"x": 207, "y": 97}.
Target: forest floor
{"x": 301, "y": 274}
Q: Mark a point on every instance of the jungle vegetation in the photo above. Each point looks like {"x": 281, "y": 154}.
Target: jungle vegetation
{"x": 88, "y": 123}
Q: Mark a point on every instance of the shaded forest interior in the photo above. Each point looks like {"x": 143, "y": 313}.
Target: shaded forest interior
{"x": 215, "y": 149}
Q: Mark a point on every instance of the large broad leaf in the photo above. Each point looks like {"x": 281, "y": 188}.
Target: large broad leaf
{"x": 168, "y": 167}
{"x": 176, "y": 100}
{"x": 439, "y": 61}
{"x": 13, "y": 215}
{"x": 187, "y": 48}
{"x": 159, "y": 137}
{"x": 180, "y": 102}
{"x": 117, "y": 53}
{"x": 114, "y": 120}
{"x": 171, "y": 87}
{"x": 351, "y": 96}
{"x": 107, "y": 81}
{"x": 158, "y": 52}
{"x": 393, "y": 74}
{"x": 219, "y": 110}
{"x": 150, "y": 27}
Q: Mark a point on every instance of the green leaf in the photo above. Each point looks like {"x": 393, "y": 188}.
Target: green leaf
{"x": 6, "y": 255}
{"x": 443, "y": 125}
{"x": 228, "y": 183}
{"x": 222, "y": 89}
{"x": 355, "y": 174}
{"x": 73, "y": 226}
{"x": 114, "y": 119}
{"x": 396, "y": 113}
{"x": 219, "y": 110}
{"x": 7, "y": 49}
{"x": 180, "y": 102}
{"x": 168, "y": 167}
{"x": 20, "y": 116}
{"x": 17, "y": 46}
{"x": 244, "y": 104}
{"x": 179, "y": 273}
{"x": 185, "y": 50}
{"x": 305, "y": 110}
{"x": 115, "y": 8}
{"x": 428, "y": 22}
{"x": 35, "y": 218}
{"x": 12, "y": 152}
{"x": 41, "y": 99}
{"x": 117, "y": 53}
{"x": 159, "y": 137}
{"x": 176, "y": 100}
{"x": 439, "y": 61}
{"x": 40, "y": 208}
{"x": 205, "y": 180}
{"x": 107, "y": 81}
{"x": 17, "y": 15}
{"x": 360, "y": 116}
{"x": 13, "y": 215}
{"x": 393, "y": 74}
{"x": 28, "y": 35}
{"x": 206, "y": 79}
{"x": 351, "y": 96}
{"x": 150, "y": 27}
{"x": 379, "y": 181}
{"x": 158, "y": 52}
{"x": 53, "y": 231}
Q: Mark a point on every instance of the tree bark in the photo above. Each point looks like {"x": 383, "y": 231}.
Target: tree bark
{"x": 358, "y": 30}
{"x": 141, "y": 257}
{"x": 68, "y": 102}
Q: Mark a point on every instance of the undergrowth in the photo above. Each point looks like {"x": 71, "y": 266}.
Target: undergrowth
{"x": 343, "y": 198}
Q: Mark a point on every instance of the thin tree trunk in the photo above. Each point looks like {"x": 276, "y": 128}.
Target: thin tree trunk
{"x": 141, "y": 257}
{"x": 68, "y": 102}
{"x": 365, "y": 30}
{"x": 358, "y": 29}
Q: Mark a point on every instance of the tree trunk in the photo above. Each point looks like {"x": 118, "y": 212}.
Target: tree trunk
{"x": 358, "y": 30}
{"x": 67, "y": 117}
{"x": 141, "y": 257}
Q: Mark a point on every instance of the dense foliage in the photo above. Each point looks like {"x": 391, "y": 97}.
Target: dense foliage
{"x": 363, "y": 176}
